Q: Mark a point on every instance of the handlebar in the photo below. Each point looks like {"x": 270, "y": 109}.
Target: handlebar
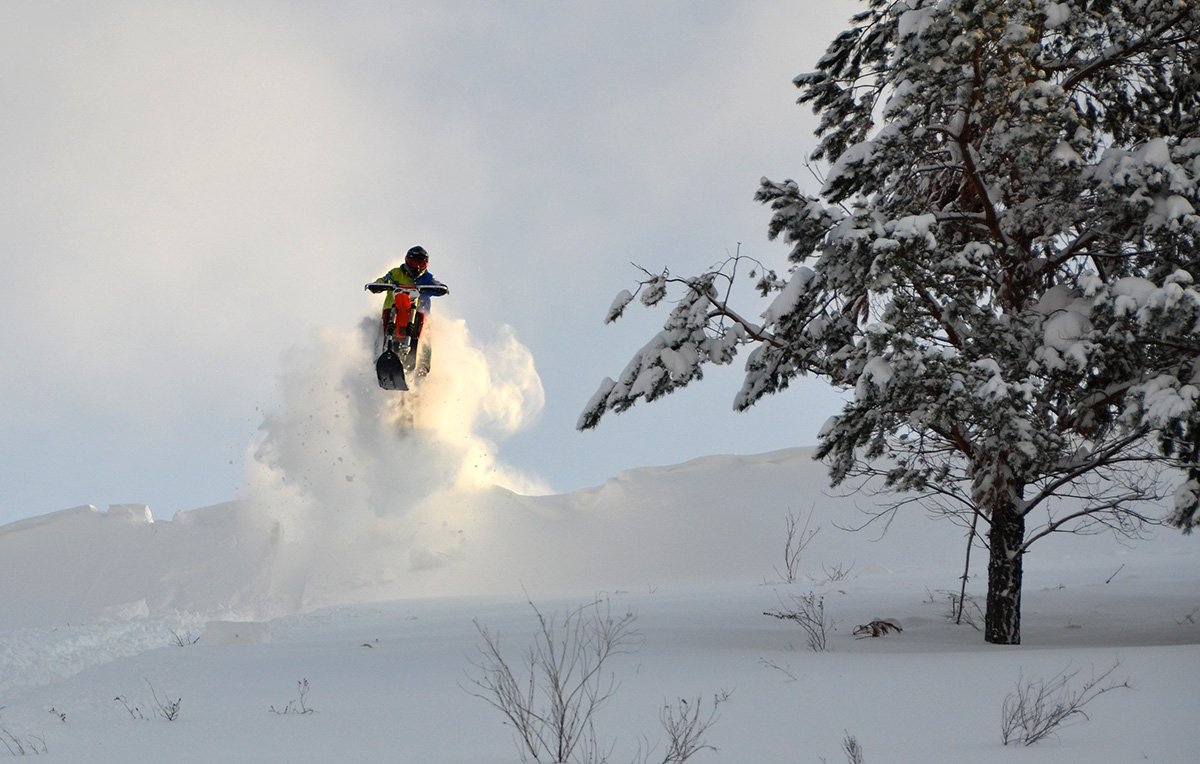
{"x": 380, "y": 286}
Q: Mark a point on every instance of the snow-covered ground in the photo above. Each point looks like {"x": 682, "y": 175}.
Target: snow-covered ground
{"x": 361, "y": 561}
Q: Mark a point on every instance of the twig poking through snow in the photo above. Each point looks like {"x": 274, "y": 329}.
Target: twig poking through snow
{"x": 1038, "y": 707}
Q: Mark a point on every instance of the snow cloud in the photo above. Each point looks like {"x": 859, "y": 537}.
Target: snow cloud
{"x": 361, "y": 482}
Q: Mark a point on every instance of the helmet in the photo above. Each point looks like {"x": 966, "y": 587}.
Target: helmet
{"x": 417, "y": 259}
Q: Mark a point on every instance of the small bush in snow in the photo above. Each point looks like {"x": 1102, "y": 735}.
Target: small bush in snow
{"x": 134, "y": 710}
{"x": 1038, "y": 707}
{"x": 960, "y": 607}
{"x": 808, "y": 610}
{"x": 796, "y": 538}
{"x": 165, "y": 708}
{"x": 552, "y": 697}
{"x": 836, "y": 573}
{"x": 22, "y": 746}
{"x": 685, "y": 724}
{"x": 185, "y": 639}
{"x": 299, "y": 705}
{"x": 852, "y": 749}
{"x": 550, "y": 700}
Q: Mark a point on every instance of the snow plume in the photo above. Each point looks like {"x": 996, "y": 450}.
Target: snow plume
{"x": 361, "y": 486}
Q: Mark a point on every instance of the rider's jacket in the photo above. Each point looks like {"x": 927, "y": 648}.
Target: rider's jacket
{"x": 400, "y": 277}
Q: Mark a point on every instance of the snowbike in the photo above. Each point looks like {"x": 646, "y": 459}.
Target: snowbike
{"x": 402, "y": 329}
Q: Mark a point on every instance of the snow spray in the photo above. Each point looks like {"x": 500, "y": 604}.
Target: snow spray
{"x": 360, "y": 483}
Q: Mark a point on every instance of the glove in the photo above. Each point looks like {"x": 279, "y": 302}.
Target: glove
{"x": 375, "y": 288}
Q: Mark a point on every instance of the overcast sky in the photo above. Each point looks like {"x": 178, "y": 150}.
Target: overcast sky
{"x": 192, "y": 189}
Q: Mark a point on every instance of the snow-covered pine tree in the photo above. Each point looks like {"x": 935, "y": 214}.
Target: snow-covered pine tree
{"x": 1001, "y": 264}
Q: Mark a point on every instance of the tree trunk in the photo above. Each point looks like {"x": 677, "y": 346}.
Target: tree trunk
{"x": 1002, "y": 621}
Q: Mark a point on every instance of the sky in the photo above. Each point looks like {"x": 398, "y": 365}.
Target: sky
{"x": 195, "y": 192}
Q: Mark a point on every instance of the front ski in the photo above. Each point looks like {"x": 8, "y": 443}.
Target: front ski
{"x": 390, "y": 370}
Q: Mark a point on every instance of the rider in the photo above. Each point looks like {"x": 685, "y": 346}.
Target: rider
{"x": 414, "y": 272}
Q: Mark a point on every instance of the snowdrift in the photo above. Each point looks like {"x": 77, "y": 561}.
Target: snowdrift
{"x": 710, "y": 520}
